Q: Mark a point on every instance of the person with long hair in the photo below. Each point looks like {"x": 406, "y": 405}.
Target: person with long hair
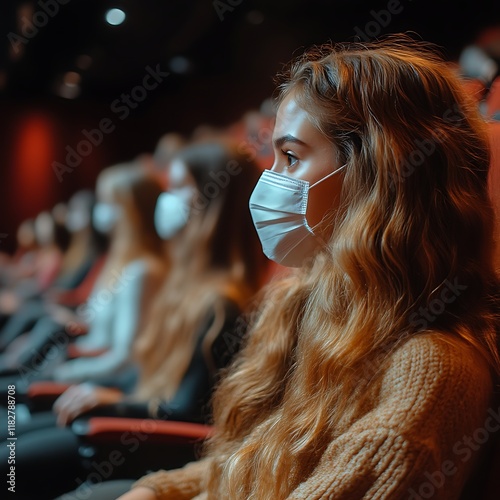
{"x": 82, "y": 259}
{"x": 366, "y": 366}
{"x": 133, "y": 271}
{"x": 52, "y": 240}
{"x": 216, "y": 269}
{"x": 191, "y": 330}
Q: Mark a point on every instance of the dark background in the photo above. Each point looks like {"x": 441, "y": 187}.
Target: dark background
{"x": 230, "y": 50}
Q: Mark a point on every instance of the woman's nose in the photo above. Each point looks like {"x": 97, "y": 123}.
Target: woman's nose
{"x": 275, "y": 167}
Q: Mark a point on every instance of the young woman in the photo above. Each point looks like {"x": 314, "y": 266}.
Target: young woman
{"x": 367, "y": 368}
{"x": 134, "y": 269}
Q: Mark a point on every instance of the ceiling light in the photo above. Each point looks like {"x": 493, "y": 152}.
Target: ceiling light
{"x": 115, "y": 17}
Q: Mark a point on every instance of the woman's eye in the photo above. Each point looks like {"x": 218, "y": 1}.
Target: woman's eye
{"x": 291, "y": 160}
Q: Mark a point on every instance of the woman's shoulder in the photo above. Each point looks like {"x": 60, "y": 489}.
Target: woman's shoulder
{"x": 438, "y": 351}
{"x": 436, "y": 366}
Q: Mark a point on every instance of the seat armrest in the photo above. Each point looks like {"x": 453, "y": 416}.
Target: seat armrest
{"x": 46, "y": 390}
{"x": 40, "y": 396}
{"x": 97, "y": 430}
{"x": 75, "y": 352}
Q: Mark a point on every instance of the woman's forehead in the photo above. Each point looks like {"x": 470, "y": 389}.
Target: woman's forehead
{"x": 293, "y": 120}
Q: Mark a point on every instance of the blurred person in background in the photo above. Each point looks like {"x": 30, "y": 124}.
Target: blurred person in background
{"x": 166, "y": 149}
{"x": 216, "y": 269}
{"x": 26, "y": 331}
{"x": 135, "y": 267}
{"x": 52, "y": 241}
{"x": 86, "y": 244}
{"x": 21, "y": 264}
{"x": 479, "y": 65}
{"x": 85, "y": 248}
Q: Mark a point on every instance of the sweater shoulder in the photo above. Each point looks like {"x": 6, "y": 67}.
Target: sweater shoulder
{"x": 434, "y": 374}
{"x": 438, "y": 355}
{"x": 433, "y": 393}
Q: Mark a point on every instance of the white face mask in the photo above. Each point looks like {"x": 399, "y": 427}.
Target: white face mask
{"x": 171, "y": 214}
{"x": 104, "y": 217}
{"x": 278, "y": 207}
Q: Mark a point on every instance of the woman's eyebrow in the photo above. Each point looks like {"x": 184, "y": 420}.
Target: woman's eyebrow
{"x": 287, "y": 138}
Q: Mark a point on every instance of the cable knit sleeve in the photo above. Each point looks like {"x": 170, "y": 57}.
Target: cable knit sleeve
{"x": 419, "y": 440}
{"x": 178, "y": 484}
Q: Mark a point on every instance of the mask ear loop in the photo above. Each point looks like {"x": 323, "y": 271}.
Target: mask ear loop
{"x": 329, "y": 175}
{"x": 315, "y": 184}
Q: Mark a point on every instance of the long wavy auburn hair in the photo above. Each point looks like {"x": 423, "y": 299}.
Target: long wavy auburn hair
{"x": 414, "y": 220}
{"x": 216, "y": 257}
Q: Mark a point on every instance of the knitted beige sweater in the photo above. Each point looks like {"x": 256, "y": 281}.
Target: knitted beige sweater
{"x": 419, "y": 440}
